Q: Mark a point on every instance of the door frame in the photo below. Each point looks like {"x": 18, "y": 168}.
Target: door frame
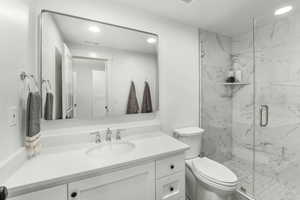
{"x": 107, "y": 60}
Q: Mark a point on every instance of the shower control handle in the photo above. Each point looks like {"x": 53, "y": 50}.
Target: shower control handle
{"x": 264, "y": 109}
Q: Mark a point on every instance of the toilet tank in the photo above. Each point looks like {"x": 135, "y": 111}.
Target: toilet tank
{"x": 191, "y": 136}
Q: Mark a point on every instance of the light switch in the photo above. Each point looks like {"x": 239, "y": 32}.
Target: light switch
{"x": 12, "y": 116}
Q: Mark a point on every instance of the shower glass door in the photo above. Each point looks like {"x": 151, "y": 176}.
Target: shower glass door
{"x": 277, "y": 107}
{"x": 227, "y": 108}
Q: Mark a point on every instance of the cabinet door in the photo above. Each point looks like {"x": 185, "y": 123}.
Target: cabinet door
{"x": 55, "y": 193}
{"x": 171, "y": 187}
{"x": 137, "y": 183}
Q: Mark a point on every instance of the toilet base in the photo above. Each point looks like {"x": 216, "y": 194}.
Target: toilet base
{"x": 196, "y": 190}
{"x": 204, "y": 194}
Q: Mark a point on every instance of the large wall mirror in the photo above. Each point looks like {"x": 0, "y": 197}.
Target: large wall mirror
{"x": 92, "y": 70}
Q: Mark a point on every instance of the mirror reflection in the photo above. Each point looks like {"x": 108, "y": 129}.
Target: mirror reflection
{"x": 91, "y": 70}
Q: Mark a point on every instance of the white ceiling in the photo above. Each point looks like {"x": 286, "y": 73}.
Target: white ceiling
{"x": 76, "y": 31}
{"x": 228, "y": 17}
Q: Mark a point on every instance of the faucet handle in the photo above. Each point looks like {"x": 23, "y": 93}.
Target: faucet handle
{"x": 108, "y": 135}
{"x": 118, "y": 134}
{"x": 98, "y": 136}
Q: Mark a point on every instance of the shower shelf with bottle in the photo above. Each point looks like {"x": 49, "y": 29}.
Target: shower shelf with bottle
{"x": 234, "y": 87}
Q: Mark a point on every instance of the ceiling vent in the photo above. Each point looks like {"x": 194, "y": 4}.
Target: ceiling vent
{"x": 187, "y": 1}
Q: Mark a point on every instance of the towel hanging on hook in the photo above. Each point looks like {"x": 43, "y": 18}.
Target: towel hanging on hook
{"x": 29, "y": 81}
{"x": 47, "y": 86}
{"x": 33, "y": 84}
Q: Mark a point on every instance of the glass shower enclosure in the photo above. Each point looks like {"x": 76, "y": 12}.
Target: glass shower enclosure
{"x": 277, "y": 101}
{"x": 253, "y": 123}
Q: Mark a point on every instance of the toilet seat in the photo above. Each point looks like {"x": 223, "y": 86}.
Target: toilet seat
{"x": 213, "y": 173}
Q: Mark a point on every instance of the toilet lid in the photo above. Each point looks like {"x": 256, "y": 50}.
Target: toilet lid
{"x": 214, "y": 171}
{"x": 189, "y": 131}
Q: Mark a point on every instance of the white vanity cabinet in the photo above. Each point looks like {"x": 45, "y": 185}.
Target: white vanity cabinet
{"x": 162, "y": 179}
{"x": 55, "y": 193}
{"x": 136, "y": 183}
{"x": 170, "y": 182}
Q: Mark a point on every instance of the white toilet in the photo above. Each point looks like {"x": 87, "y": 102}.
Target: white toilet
{"x": 205, "y": 179}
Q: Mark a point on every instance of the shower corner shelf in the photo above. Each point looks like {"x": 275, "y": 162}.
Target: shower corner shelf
{"x": 236, "y": 84}
{"x": 234, "y": 87}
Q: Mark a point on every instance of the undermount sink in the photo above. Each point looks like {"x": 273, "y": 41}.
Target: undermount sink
{"x": 111, "y": 148}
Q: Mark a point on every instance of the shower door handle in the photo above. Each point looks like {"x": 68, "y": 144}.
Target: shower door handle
{"x": 264, "y": 109}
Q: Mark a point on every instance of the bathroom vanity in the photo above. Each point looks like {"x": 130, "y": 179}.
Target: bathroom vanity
{"x": 150, "y": 166}
{"x": 86, "y": 81}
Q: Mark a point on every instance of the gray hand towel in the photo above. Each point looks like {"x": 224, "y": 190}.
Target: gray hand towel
{"x": 147, "y": 102}
{"x": 132, "y": 105}
{"x": 33, "y": 114}
{"x": 48, "y": 112}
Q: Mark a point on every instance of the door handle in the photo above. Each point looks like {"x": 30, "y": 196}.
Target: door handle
{"x": 264, "y": 109}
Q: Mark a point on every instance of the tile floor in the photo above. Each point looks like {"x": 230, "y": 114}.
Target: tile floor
{"x": 267, "y": 185}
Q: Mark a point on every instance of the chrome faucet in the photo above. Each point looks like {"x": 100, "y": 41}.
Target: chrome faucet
{"x": 118, "y": 134}
{"x": 108, "y": 135}
{"x": 98, "y": 136}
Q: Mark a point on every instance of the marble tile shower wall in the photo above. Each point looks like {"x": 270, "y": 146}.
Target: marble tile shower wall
{"x": 216, "y": 106}
{"x": 242, "y": 100}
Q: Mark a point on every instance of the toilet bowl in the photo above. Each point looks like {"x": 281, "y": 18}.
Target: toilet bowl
{"x": 213, "y": 180}
{"x": 205, "y": 179}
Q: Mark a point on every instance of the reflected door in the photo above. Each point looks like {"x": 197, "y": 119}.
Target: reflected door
{"x": 75, "y": 91}
{"x": 58, "y": 86}
{"x": 99, "y": 93}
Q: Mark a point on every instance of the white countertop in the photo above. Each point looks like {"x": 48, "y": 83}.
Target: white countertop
{"x": 70, "y": 163}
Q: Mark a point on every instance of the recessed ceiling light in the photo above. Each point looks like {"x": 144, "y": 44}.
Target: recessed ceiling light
{"x": 151, "y": 40}
{"x": 94, "y": 29}
{"x": 283, "y": 10}
{"x": 93, "y": 55}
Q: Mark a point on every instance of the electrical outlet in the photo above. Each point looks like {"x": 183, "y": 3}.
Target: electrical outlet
{"x": 12, "y": 116}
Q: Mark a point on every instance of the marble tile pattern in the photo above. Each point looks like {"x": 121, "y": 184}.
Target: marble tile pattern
{"x": 267, "y": 186}
{"x": 216, "y": 106}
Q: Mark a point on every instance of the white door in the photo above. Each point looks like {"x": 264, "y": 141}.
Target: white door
{"x": 99, "y": 93}
{"x": 75, "y": 91}
{"x": 137, "y": 183}
{"x": 67, "y": 71}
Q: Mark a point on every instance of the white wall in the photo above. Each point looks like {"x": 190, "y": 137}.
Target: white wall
{"x": 124, "y": 67}
{"x": 178, "y": 54}
{"x": 14, "y": 20}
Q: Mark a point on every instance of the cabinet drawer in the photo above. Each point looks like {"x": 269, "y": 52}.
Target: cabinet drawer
{"x": 171, "y": 187}
{"x": 55, "y": 193}
{"x": 170, "y": 165}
